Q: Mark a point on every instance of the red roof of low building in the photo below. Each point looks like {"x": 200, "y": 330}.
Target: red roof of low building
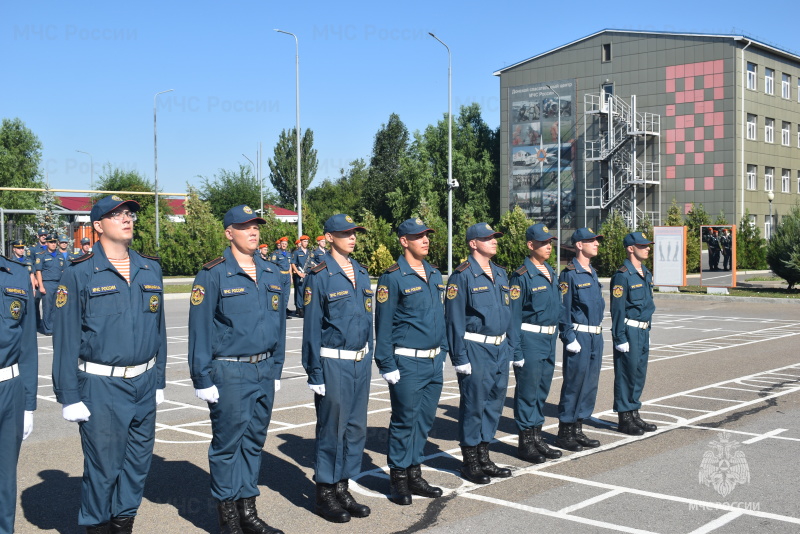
{"x": 85, "y": 204}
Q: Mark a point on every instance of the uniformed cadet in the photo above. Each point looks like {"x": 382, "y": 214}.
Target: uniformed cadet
{"x": 337, "y": 356}
{"x": 478, "y": 308}
{"x": 49, "y": 266}
{"x": 318, "y": 253}
{"x": 535, "y": 309}
{"x": 86, "y": 246}
{"x": 263, "y": 251}
{"x": 299, "y": 267}
{"x": 581, "y": 314}
{"x": 632, "y": 309}
{"x": 713, "y": 250}
{"x": 410, "y": 349}
{"x": 64, "y": 252}
{"x": 41, "y": 246}
{"x": 281, "y": 258}
{"x": 18, "y": 378}
{"x": 24, "y": 256}
{"x": 237, "y": 341}
{"x": 110, "y": 354}
{"x": 726, "y": 242}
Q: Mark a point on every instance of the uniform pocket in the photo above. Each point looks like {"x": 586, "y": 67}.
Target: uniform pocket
{"x": 105, "y": 300}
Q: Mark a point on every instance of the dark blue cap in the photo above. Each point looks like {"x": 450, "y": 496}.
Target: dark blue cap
{"x": 18, "y": 244}
{"x": 86, "y": 241}
{"x": 341, "y": 223}
{"x": 106, "y": 205}
{"x": 52, "y": 238}
{"x": 412, "y": 227}
{"x": 585, "y": 233}
{"x": 42, "y": 232}
{"x": 538, "y": 232}
{"x": 63, "y": 239}
{"x": 241, "y": 214}
{"x": 636, "y": 238}
{"x": 481, "y": 230}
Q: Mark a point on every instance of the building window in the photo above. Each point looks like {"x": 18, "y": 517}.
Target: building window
{"x": 769, "y": 81}
{"x": 751, "y": 76}
{"x": 786, "y": 179}
{"x": 767, "y": 227}
{"x": 798, "y": 136}
{"x": 769, "y": 178}
{"x": 786, "y": 129}
{"x": 785, "y": 86}
{"x": 752, "y": 220}
{"x": 751, "y": 126}
{"x": 606, "y": 52}
{"x": 798, "y": 182}
{"x": 769, "y": 130}
{"x": 751, "y": 177}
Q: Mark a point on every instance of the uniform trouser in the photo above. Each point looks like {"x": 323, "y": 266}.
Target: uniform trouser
{"x": 482, "y": 393}
{"x": 38, "y": 300}
{"x": 581, "y": 374}
{"x": 117, "y": 443}
{"x": 239, "y": 422}
{"x": 414, "y": 401}
{"x": 48, "y": 305}
{"x": 713, "y": 256}
{"x": 12, "y": 412}
{"x": 286, "y": 282}
{"x": 298, "y": 292}
{"x": 341, "y": 419}
{"x": 726, "y": 259}
{"x": 534, "y": 378}
{"x": 630, "y": 370}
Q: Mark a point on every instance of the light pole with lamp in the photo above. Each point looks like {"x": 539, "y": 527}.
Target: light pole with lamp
{"x": 770, "y": 197}
{"x": 451, "y": 184}
{"x": 155, "y": 160}
{"x": 297, "y": 105}
{"x": 91, "y": 170}
{"x": 260, "y": 211}
{"x": 558, "y": 181}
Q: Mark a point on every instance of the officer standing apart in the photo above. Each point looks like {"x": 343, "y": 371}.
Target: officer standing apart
{"x": 281, "y": 258}
{"x": 299, "y": 265}
{"x": 110, "y": 353}
{"x": 632, "y": 309}
{"x": 478, "y": 309}
{"x": 237, "y": 341}
{"x": 18, "y": 377}
{"x": 410, "y": 350}
{"x": 535, "y": 308}
{"x": 337, "y": 356}
{"x": 581, "y": 314}
{"x": 49, "y": 266}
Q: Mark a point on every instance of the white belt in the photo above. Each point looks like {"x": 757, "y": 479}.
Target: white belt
{"x": 255, "y": 358}
{"x": 637, "y": 324}
{"x": 7, "y": 373}
{"x": 356, "y": 355}
{"x": 587, "y": 328}
{"x": 491, "y": 340}
{"x": 417, "y": 353}
{"x": 538, "y": 329}
{"x": 116, "y": 370}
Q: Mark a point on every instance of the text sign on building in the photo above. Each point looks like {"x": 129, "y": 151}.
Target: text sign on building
{"x": 669, "y": 256}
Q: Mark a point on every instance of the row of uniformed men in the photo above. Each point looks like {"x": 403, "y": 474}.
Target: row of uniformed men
{"x": 110, "y": 344}
{"x": 294, "y": 266}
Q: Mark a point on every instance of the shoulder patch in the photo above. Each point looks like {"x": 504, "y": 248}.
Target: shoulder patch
{"x": 154, "y": 258}
{"x": 213, "y": 263}
{"x": 462, "y": 267}
{"x": 83, "y": 258}
{"x": 319, "y": 268}
{"x": 364, "y": 266}
{"x": 393, "y": 268}
{"x": 623, "y": 269}
{"x": 570, "y": 266}
{"x": 521, "y": 270}
{"x": 434, "y": 266}
{"x": 499, "y": 267}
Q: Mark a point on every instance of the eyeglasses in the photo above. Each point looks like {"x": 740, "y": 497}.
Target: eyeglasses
{"x": 122, "y": 215}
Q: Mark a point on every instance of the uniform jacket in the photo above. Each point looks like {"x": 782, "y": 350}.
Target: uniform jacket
{"x": 631, "y": 298}
{"x": 52, "y": 264}
{"x": 581, "y": 297}
{"x": 534, "y": 300}
{"x": 281, "y": 259}
{"x": 18, "y": 333}
{"x": 299, "y": 258}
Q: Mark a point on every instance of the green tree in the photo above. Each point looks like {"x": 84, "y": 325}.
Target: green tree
{"x": 751, "y": 252}
{"x": 340, "y": 196}
{"x": 611, "y": 254}
{"x": 512, "y": 248}
{"x": 696, "y": 218}
{"x": 380, "y": 260}
{"x": 720, "y": 220}
{"x": 48, "y": 219}
{"x": 275, "y": 229}
{"x": 437, "y": 250}
{"x": 379, "y": 233}
{"x": 388, "y": 151}
{"x": 783, "y": 247}
{"x": 232, "y": 188}
{"x": 645, "y": 225}
{"x": 283, "y": 165}
{"x": 20, "y": 157}
{"x": 674, "y": 216}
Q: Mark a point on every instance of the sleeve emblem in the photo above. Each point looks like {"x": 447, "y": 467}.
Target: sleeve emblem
{"x": 383, "y": 294}
{"x": 61, "y": 296}
{"x": 564, "y": 287}
{"x": 617, "y": 292}
{"x": 452, "y": 291}
{"x": 198, "y": 293}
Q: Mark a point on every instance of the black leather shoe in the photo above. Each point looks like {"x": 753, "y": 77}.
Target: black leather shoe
{"x": 471, "y": 468}
{"x": 398, "y": 483}
{"x": 487, "y": 465}
{"x": 419, "y": 486}
{"x": 249, "y": 520}
{"x": 121, "y": 525}
{"x": 542, "y": 447}
{"x": 644, "y": 425}
{"x": 99, "y": 529}
{"x": 526, "y": 448}
{"x": 327, "y": 506}
{"x": 582, "y": 438}
{"x": 347, "y": 501}
{"x": 627, "y": 426}
{"x": 228, "y": 518}
{"x": 566, "y": 439}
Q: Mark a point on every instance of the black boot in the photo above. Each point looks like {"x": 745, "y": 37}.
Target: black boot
{"x": 419, "y": 486}
{"x": 542, "y": 447}
{"x": 580, "y": 437}
{"x": 228, "y": 518}
{"x": 398, "y": 480}
{"x": 121, "y": 525}
{"x": 566, "y": 439}
{"x": 526, "y": 449}
{"x": 249, "y": 520}
{"x": 627, "y": 426}
{"x": 327, "y": 506}
{"x": 489, "y": 467}
{"x": 471, "y": 468}
{"x": 348, "y": 502}
{"x": 99, "y": 529}
{"x": 644, "y": 425}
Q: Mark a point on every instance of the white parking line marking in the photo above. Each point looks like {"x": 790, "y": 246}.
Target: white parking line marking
{"x": 765, "y": 436}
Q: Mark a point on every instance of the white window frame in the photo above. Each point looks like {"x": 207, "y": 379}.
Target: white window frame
{"x": 798, "y": 182}
{"x": 786, "y": 180}
{"x": 752, "y": 172}
{"x": 769, "y": 178}
{"x": 751, "y": 127}
{"x": 798, "y": 136}
{"x": 769, "y": 130}
{"x": 786, "y": 84}
{"x": 786, "y": 133}
{"x": 769, "y": 81}
{"x": 751, "y": 76}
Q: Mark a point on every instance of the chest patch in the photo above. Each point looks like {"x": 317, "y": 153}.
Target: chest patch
{"x": 412, "y": 290}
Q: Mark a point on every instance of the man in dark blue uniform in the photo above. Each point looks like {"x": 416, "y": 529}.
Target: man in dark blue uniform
{"x": 337, "y": 356}
{"x": 478, "y": 308}
{"x": 535, "y": 308}
{"x": 410, "y": 349}
{"x": 41, "y": 246}
{"x": 110, "y": 353}
{"x": 581, "y": 314}
{"x": 318, "y": 253}
{"x": 299, "y": 268}
{"x": 49, "y": 266}
{"x": 726, "y": 243}
{"x": 64, "y": 252}
{"x": 237, "y": 342}
{"x": 24, "y": 256}
{"x": 632, "y": 309}
{"x": 86, "y": 246}
{"x": 281, "y": 258}
{"x": 18, "y": 378}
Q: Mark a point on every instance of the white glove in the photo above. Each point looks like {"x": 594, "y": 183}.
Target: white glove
{"x": 277, "y": 385}
{"x": 623, "y": 347}
{"x": 319, "y": 389}
{"x": 392, "y": 377}
{"x": 27, "y": 425}
{"x": 518, "y": 363}
{"x": 159, "y": 396}
{"x": 75, "y": 413}
{"x": 574, "y": 347}
{"x": 210, "y": 395}
{"x": 465, "y": 369}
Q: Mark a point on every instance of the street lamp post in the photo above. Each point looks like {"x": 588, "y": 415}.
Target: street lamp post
{"x": 91, "y": 168}
{"x": 155, "y": 160}
{"x": 770, "y": 197}
{"x": 450, "y": 183}
{"x": 260, "y": 185}
{"x": 297, "y": 105}
{"x": 558, "y": 181}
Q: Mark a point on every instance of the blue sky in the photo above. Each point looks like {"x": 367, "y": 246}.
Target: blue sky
{"x": 82, "y": 75}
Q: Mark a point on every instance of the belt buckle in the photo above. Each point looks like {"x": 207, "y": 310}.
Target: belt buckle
{"x": 360, "y": 354}
{"x": 497, "y": 340}
{"x": 125, "y": 373}
{"x": 254, "y": 358}
{"x": 432, "y": 353}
